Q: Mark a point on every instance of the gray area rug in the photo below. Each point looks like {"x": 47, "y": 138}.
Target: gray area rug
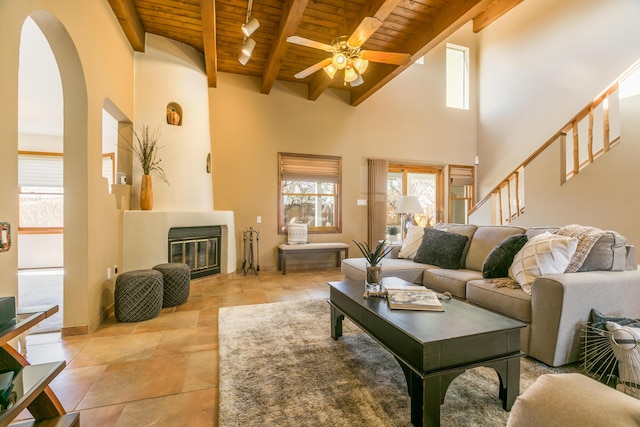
{"x": 279, "y": 366}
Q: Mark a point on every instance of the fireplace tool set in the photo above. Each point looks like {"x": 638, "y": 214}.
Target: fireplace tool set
{"x": 248, "y": 251}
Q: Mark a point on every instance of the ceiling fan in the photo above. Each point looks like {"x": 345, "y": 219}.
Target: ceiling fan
{"x": 347, "y": 55}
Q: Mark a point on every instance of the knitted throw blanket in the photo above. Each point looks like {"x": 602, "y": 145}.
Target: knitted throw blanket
{"x": 587, "y": 237}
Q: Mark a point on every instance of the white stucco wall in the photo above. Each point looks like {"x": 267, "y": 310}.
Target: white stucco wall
{"x": 539, "y": 65}
{"x": 166, "y": 72}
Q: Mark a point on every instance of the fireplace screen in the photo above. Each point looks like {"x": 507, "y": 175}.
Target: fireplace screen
{"x": 198, "y": 247}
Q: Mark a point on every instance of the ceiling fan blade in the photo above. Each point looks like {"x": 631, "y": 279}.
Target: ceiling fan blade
{"x": 367, "y": 27}
{"x": 309, "y": 43}
{"x": 386, "y": 57}
{"x": 315, "y": 67}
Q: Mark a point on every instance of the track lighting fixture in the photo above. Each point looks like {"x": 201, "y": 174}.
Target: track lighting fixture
{"x": 248, "y": 44}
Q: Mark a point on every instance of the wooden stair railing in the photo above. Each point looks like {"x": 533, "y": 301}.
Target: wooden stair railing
{"x": 508, "y": 195}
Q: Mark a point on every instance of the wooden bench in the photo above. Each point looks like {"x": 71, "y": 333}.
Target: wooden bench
{"x": 308, "y": 248}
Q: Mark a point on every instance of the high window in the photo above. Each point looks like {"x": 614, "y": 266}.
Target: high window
{"x": 309, "y": 192}
{"x": 457, "y": 77}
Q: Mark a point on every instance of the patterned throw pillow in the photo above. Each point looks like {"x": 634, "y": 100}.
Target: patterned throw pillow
{"x": 497, "y": 263}
{"x": 411, "y": 242}
{"x": 545, "y": 253}
{"x": 441, "y": 248}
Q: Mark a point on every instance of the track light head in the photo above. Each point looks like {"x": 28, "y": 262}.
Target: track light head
{"x": 250, "y": 27}
{"x": 248, "y": 46}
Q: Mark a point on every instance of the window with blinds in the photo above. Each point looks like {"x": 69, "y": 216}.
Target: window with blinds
{"x": 41, "y": 196}
{"x": 309, "y": 192}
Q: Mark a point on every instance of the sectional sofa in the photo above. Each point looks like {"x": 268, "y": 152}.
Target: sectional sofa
{"x": 608, "y": 280}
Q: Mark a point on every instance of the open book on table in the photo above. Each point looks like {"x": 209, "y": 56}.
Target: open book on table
{"x": 413, "y": 298}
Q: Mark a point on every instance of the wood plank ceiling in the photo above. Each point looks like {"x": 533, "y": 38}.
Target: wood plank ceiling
{"x": 213, "y": 28}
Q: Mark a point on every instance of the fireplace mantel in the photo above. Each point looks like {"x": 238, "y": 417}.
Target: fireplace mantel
{"x": 146, "y": 232}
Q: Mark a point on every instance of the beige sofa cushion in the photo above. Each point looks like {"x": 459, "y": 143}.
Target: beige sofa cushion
{"x": 484, "y": 240}
{"x": 454, "y": 281}
{"x": 510, "y": 302}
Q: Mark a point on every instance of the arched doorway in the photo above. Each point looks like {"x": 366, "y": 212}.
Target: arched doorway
{"x": 40, "y": 177}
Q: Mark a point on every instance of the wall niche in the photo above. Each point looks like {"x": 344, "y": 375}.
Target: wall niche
{"x": 174, "y": 114}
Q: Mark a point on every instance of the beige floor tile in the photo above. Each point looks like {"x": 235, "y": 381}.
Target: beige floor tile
{"x": 168, "y": 321}
{"x": 137, "y": 380}
{"x": 202, "y": 371}
{"x": 194, "y": 409}
{"x": 187, "y": 341}
{"x": 101, "y": 417}
{"x": 117, "y": 349}
{"x": 71, "y": 385}
{"x": 244, "y": 299}
{"x": 208, "y": 317}
{"x": 200, "y": 303}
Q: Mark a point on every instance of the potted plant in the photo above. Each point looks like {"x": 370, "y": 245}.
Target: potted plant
{"x": 393, "y": 231}
{"x": 373, "y": 257}
{"x": 145, "y": 149}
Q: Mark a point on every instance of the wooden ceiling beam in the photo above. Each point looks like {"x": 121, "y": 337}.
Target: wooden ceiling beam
{"x": 493, "y": 12}
{"x": 208, "y": 18}
{"x": 291, "y": 16}
{"x": 125, "y": 11}
{"x": 449, "y": 20}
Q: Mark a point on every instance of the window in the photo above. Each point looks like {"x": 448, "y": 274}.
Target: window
{"x": 41, "y": 192}
{"x": 309, "y": 192}
{"x": 424, "y": 182}
{"x": 457, "y": 77}
{"x": 461, "y": 180}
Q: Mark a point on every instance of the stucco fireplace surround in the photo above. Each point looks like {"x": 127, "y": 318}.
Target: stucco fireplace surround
{"x": 146, "y": 236}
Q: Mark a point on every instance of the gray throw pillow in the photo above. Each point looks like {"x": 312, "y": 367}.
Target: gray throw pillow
{"x": 497, "y": 263}
{"x": 441, "y": 248}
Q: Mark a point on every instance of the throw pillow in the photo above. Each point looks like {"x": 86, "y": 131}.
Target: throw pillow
{"x": 497, "y": 263}
{"x": 411, "y": 242}
{"x": 545, "y": 253}
{"x": 624, "y": 342}
{"x": 441, "y": 248}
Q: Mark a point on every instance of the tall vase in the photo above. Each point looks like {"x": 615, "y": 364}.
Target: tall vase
{"x": 146, "y": 193}
{"x": 373, "y": 282}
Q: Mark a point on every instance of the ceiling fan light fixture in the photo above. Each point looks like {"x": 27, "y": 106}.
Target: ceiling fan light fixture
{"x": 350, "y": 74}
{"x": 248, "y": 46}
{"x": 250, "y": 27}
{"x": 360, "y": 64}
{"x": 358, "y": 81}
{"x": 339, "y": 60}
{"x": 330, "y": 70}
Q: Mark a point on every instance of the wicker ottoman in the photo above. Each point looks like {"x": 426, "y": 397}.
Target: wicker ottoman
{"x": 177, "y": 281}
{"x": 138, "y": 295}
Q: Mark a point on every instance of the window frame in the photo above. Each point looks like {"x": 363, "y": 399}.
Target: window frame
{"x": 438, "y": 171}
{"x": 465, "y": 76}
{"x": 336, "y": 227}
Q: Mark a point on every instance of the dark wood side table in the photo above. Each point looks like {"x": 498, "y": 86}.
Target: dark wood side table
{"x": 31, "y": 382}
{"x": 432, "y": 347}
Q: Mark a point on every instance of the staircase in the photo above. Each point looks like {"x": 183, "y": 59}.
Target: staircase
{"x": 588, "y": 136}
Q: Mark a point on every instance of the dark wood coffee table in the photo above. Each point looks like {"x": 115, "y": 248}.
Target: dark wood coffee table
{"x": 433, "y": 347}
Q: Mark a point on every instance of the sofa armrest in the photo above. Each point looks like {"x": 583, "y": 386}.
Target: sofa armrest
{"x": 560, "y": 303}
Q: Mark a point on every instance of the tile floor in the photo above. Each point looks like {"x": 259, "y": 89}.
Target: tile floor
{"x": 164, "y": 371}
